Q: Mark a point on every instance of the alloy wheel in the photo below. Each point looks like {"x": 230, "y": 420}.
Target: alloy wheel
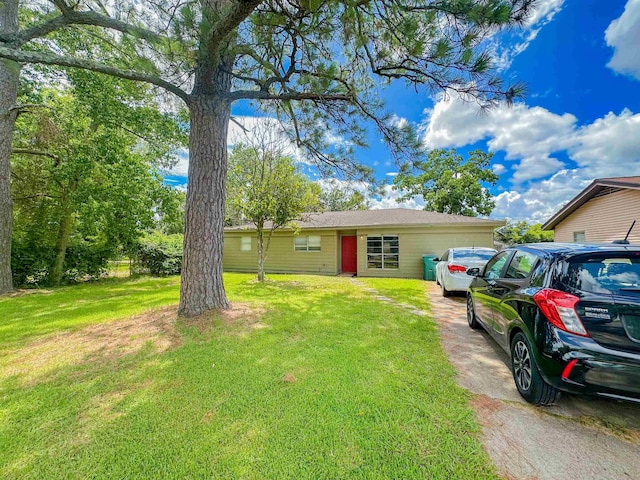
{"x": 522, "y": 365}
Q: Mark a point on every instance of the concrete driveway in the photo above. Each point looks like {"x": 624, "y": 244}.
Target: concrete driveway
{"x": 581, "y": 437}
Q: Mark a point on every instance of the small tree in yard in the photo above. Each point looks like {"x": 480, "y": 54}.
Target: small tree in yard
{"x": 316, "y": 64}
{"x": 448, "y": 183}
{"x": 266, "y": 190}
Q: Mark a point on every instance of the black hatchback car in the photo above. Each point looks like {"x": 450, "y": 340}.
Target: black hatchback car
{"x": 568, "y": 315}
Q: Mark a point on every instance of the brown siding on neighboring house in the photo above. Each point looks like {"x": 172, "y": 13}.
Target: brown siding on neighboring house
{"x": 416, "y": 242}
{"x": 281, "y": 257}
{"x": 603, "y": 219}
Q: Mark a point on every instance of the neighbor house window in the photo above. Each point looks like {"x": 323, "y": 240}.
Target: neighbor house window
{"x": 307, "y": 244}
{"x": 579, "y": 237}
{"x": 383, "y": 252}
{"x": 245, "y": 244}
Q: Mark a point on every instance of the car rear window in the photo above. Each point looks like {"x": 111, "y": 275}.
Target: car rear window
{"x": 469, "y": 255}
{"x": 613, "y": 273}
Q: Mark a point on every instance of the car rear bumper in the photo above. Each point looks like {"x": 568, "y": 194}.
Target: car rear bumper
{"x": 580, "y": 365}
{"x": 456, "y": 282}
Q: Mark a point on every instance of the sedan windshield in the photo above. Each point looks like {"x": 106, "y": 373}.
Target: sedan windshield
{"x": 473, "y": 255}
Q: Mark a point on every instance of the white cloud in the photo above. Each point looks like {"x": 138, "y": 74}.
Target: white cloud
{"x": 388, "y": 199}
{"x": 542, "y": 15}
{"x": 530, "y": 134}
{"x": 391, "y": 174}
{"x": 623, "y": 35}
{"x": 607, "y": 147}
{"x": 498, "y": 168}
{"x": 544, "y": 12}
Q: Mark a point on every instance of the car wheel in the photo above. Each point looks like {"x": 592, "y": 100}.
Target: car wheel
{"x": 471, "y": 314}
{"x": 445, "y": 292}
{"x": 529, "y": 382}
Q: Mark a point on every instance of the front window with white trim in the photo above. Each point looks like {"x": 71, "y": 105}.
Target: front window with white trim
{"x": 245, "y": 244}
{"x": 307, "y": 244}
{"x": 383, "y": 252}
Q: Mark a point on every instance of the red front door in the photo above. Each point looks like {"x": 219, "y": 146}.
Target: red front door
{"x": 349, "y": 254}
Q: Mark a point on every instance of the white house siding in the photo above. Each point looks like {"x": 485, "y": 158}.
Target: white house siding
{"x": 603, "y": 219}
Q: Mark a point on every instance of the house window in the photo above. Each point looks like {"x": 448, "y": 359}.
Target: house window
{"x": 383, "y": 252}
{"x": 245, "y": 244}
{"x": 579, "y": 237}
{"x": 307, "y": 244}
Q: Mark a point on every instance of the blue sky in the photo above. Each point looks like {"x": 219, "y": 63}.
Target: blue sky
{"x": 580, "y": 119}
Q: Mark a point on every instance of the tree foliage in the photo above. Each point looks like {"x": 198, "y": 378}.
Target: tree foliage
{"x": 448, "y": 183}
{"x": 85, "y": 179}
{"x": 337, "y": 197}
{"x": 522, "y": 232}
{"x": 267, "y": 191}
{"x": 317, "y": 65}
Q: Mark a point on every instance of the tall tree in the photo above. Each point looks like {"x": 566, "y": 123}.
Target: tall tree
{"x": 448, "y": 183}
{"x": 313, "y": 62}
{"x": 89, "y": 172}
{"x": 267, "y": 191}
{"x": 9, "y": 77}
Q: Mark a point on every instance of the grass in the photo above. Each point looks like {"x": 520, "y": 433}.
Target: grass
{"x": 333, "y": 385}
{"x": 401, "y": 290}
{"x": 36, "y": 312}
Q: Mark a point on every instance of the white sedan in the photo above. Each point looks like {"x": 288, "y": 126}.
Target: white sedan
{"x": 451, "y": 270}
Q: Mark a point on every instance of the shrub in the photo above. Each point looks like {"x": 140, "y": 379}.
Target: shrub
{"x": 160, "y": 254}
{"x": 84, "y": 260}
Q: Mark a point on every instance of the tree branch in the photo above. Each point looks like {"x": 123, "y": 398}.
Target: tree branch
{"x": 29, "y": 151}
{"x": 64, "y": 61}
{"x": 72, "y": 17}
{"x": 229, "y": 22}
{"x": 262, "y": 95}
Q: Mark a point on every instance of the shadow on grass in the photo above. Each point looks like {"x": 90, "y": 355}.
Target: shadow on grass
{"x": 336, "y": 385}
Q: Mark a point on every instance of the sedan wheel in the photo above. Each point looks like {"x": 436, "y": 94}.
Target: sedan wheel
{"x": 522, "y": 366}
{"x": 471, "y": 314}
{"x": 529, "y": 382}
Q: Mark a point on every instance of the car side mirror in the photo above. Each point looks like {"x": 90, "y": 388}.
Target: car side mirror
{"x": 436, "y": 259}
{"x": 473, "y": 272}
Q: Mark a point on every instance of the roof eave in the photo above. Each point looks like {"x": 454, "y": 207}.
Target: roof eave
{"x": 487, "y": 223}
{"x": 583, "y": 197}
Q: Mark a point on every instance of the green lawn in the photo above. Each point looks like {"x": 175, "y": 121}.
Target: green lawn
{"x": 334, "y": 384}
{"x": 401, "y": 290}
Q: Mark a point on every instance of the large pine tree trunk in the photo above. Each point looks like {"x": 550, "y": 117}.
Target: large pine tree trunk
{"x": 202, "y": 286}
{"x": 9, "y": 76}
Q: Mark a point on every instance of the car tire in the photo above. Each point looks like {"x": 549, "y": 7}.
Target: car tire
{"x": 445, "y": 292}
{"x": 526, "y": 375}
{"x": 471, "y": 314}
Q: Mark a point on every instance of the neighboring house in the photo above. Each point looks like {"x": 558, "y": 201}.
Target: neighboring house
{"x": 602, "y": 212}
{"x": 369, "y": 243}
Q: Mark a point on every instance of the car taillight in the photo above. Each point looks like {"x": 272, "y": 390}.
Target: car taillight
{"x": 559, "y": 308}
{"x": 456, "y": 268}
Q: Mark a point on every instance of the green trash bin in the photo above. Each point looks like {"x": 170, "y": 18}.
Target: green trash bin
{"x": 429, "y": 268}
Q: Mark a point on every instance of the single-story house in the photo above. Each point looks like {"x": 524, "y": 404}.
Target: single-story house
{"x": 369, "y": 243}
{"x": 602, "y": 212}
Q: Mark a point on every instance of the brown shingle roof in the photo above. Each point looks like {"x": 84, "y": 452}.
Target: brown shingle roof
{"x": 392, "y": 217}
{"x": 599, "y": 185}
